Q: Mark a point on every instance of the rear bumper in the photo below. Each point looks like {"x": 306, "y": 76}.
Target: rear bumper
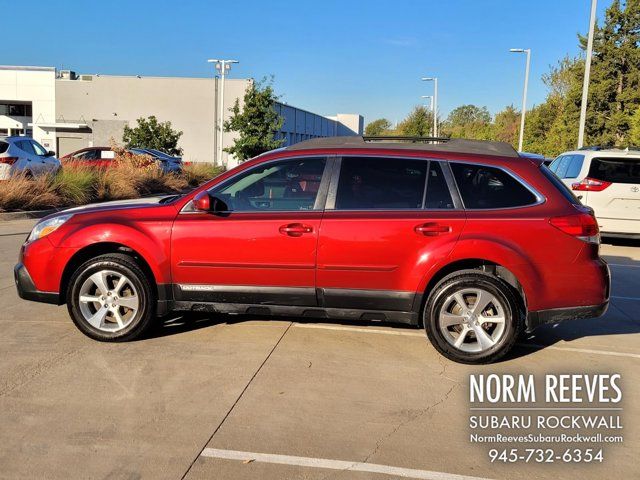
{"x": 614, "y": 227}
{"x": 630, "y": 236}
{"x": 554, "y": 315}
{"x": 27, "y": 289}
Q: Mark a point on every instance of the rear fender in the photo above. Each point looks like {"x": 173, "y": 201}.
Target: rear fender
{"x": 499, "y": 253}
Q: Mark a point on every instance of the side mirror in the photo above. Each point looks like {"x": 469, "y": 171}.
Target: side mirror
{"x": 202, "y": 202}
{"x": 50, "y": 154}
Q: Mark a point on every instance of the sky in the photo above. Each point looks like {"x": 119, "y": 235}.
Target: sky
{"x": 326, "y": 56}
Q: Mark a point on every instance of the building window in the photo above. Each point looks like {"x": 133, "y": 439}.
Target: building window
{"x": 16, "y": 109}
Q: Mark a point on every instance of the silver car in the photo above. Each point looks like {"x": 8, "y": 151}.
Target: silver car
{"x": 25, "y": 156}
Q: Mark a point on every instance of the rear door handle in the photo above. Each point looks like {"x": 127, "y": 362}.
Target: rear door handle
{"x": 432, "y": 229}
{"x": 295, "y": 229}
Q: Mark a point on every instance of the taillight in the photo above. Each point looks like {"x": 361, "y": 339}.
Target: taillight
{"x": 590, "y": 185}
{"x": 581, "y": 225}
{"x": 9, "y": 160}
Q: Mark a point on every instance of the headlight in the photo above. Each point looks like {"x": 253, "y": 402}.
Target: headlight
{"x": 48, "y": 226}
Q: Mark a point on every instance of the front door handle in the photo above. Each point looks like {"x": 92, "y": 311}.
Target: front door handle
{"x": 432, "y": 229}
{"x": 295, "y": 229}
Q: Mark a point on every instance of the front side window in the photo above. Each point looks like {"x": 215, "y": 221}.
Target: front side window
{"x": 39, "y": 149}
{"x": 485, "y": 187}
{"x": 615, "y": 170}
{"x": 289, "y": 185}
{"x": 375, "y": 183}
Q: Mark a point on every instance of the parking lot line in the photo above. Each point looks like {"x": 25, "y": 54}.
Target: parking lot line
{"x": 312, "y": 462}
{"x": 536, "y": 346}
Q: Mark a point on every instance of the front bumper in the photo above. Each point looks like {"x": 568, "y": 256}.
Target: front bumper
{"x": 27, "y": 289}
{"x": 554, "y": 315}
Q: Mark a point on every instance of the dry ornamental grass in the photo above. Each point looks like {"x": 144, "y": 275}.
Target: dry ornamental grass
{"x": 128, "y": 176}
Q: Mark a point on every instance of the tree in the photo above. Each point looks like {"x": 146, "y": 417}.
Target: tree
{"x": 418, "y": 123}
{"x": 468, "y": 121}
{"x": 634, "y": 131}
{"x": 256, "y": 123}
{"x": 614, "y": 89}
{"x": 149, "y": 133}
{"x": 378, "y": 127}
{"x": 506, "y": 125}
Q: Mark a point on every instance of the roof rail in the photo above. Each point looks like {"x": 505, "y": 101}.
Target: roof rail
{"x": 435, "y": 144}
{"x": 399, "y": 138}
{"x": 597, "y": 148}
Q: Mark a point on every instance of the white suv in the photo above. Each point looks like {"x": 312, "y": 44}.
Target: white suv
{"x": 23, "y": 155}
{"x": 607, "y": 180}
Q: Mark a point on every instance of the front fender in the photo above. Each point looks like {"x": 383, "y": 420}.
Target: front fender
{"x": 151, "y": 240}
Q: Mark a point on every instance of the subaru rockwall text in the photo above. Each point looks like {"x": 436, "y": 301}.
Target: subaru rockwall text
{"x": 465, "y": 238}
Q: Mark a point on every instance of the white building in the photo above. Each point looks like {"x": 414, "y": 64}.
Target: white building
{"x": 65, "y": 111}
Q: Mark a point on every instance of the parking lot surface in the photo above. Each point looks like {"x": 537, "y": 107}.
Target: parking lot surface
{"x": 239, "y": 397}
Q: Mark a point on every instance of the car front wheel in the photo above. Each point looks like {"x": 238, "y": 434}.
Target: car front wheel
{"x": 472, "y": 317}
{"x": 110, "y": 299}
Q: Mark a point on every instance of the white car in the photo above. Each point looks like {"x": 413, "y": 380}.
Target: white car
{"x": 607, "y": 180}
{"x": 23, "y": 155}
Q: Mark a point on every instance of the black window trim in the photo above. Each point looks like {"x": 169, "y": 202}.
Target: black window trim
{"x": 318, "y": 205}
{"x": 540, "y": 199}
{"x": 335, "y": 178}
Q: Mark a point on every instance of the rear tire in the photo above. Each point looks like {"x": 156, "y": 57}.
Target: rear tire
{"x": 466, "y": 331}
{"x": 110, "y": 299}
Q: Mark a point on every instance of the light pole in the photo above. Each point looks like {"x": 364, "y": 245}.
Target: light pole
{"x": 222, "y": 67}
{"x": 587, "y": 72}
{"x": 430, "y": 97}
{"x": 435, "y": 102}
{"x": 524, "y": 94}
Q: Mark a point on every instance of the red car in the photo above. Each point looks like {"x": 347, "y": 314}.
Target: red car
{"x": 465, "y": 238}
{"x": 90, "y": 157}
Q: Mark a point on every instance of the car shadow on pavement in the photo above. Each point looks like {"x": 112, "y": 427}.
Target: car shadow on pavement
{"x": 620, "y": 318}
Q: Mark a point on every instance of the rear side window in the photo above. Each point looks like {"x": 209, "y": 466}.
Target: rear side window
{"x": 26, "y": 146}
{"x": 615, "y": 170}
{"x": 489, "y": 187}
{"x": 374, "y": 183}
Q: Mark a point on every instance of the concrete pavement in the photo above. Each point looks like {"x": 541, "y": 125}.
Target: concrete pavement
{"x": 369, "y": 393}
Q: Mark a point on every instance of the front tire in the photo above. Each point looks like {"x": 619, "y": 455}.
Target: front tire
{"x": 110, "y": 299}
{"x": 472, "y": 317}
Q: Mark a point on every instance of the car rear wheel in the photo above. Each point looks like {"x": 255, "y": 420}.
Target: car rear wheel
{"x": 110, "y": 299}
{"x": 472, "y": 317}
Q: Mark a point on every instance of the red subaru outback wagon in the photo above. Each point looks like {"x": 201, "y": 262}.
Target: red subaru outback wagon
{"x": 465, "y": 238}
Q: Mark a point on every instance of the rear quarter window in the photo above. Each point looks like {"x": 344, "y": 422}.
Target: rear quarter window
{"x": 615, "y": 170}
{"x": 483, "y": 187}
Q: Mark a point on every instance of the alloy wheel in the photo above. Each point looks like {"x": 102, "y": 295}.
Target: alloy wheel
{"x": 108, "y": 301}
{"x": 472, "y": 320}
